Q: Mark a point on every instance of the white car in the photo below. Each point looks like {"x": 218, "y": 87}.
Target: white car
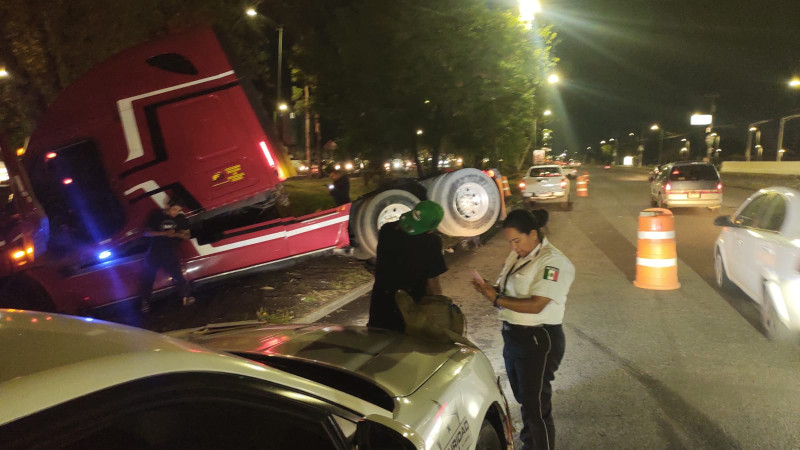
{"x": 71, "y": 382}
{"x": 546, "y": 183}
{"x": 758, "y": 250}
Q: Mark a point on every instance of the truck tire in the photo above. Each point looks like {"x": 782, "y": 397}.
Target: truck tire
{"x": 471, "y": 202}
{"x": 385, "y": 207}
{"x": 21, "y": 292}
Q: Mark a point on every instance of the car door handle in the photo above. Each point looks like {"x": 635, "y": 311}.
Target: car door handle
{"x": 739, "y": 241}
{"x": 768, "y": 250}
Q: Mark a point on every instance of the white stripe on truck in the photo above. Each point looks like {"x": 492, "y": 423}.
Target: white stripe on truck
{"x": 128, "y": 118}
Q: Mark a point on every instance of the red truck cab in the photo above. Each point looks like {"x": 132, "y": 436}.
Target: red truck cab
{"x": 171, "y": 119}
{"x": 168, "y": 118}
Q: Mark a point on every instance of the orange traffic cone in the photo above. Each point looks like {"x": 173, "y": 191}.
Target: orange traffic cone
{"x": 583, "y": 186}
{"x": 656, "y": 256}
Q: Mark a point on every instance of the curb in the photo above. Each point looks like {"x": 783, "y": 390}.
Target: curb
{"x": 317, "y": 314}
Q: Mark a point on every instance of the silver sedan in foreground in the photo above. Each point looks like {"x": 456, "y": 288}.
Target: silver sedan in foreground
{"x": 71, "y": 382}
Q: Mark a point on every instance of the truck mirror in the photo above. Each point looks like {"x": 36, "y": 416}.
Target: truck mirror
{"x": 380, "y": 432}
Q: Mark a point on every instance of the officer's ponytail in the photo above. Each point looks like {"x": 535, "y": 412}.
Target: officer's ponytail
{"x": 526, "y": 221}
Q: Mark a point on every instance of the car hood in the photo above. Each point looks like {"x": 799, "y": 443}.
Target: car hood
{"x": 400, "y": 364}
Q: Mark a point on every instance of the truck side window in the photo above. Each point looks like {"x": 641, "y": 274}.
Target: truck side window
{"x": 173, "y": 62}
{"x": 74, "y": 190}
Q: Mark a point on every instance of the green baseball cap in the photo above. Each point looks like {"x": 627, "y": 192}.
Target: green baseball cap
{"x": 423, "y": 218}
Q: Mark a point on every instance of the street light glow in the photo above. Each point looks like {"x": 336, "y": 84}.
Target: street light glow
{"x": 602, "y": 142}
{"x": 611, "y": 140}
{"x": 547, "y": 112}
{"x": 283, "y": 106}
{"x": 794, "y": 83}
{"x": 631, "y": 134}
{"x": 553, "y": 78}
{"x": 3, "y": 72}
{"x": 753, "y": 129}
{"x": 419, "y": 132}
{"x": 528, "y": 10}
{"x": 654, "y": 127}
{"x": 251, "y": 12}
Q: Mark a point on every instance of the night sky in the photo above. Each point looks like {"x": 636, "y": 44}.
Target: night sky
{"x": 629, "y": 63}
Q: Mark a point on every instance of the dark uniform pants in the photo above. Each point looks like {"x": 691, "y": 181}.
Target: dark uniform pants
{"x": 171, "y": 264}
{"x": 384, "y": 312}
{"x": 532, "y": 356}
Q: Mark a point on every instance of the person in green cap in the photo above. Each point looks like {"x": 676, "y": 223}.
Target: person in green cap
{"x": 409, "y": 258}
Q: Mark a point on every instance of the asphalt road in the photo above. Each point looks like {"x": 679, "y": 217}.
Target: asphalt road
{"x": 687, "y": 368}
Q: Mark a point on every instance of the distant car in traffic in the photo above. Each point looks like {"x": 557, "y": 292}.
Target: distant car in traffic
{"x": 546, "y": 183}
{"x": 686, "y": 185}
{"x": 72, "y": 382}
{"x": 758, "y": 250}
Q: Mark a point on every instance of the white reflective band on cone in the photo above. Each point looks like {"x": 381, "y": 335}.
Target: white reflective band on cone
{"x": 657, "y": 234}
{"x": 656, "y": 262}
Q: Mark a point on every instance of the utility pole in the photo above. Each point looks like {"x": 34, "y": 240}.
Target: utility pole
{"x": 308, "y": 132}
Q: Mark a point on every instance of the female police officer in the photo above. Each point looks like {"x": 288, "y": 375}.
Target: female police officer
{"x": 531, "y": 293}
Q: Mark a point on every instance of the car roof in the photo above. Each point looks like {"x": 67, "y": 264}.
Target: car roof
{"x": 691, "y": 163}
{"x": 49, "y": 359}
{"x": 543, "y": 165}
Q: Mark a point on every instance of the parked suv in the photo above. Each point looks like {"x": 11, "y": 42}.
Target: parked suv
{"x": 546, "y": 184}
{"x": 686, "y": 184}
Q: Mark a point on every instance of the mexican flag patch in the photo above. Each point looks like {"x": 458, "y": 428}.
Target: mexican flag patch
{"x": 551, "y": 273}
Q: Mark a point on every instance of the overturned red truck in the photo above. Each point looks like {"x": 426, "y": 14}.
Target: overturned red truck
{"x": 171, "y": 118}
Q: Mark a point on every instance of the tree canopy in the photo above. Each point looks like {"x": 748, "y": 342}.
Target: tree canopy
{"x": 465, "y": 72}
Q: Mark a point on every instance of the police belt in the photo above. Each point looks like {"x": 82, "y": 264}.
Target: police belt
{"x": 511, "y": 326}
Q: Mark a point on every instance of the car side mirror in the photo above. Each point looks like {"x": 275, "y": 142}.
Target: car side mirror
{"x": 380, "y": 432}
{"x": 724, "y": 221}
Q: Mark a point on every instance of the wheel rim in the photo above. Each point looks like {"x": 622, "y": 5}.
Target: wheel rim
{"x": 471, "y": 202}
{"x": 391, "y": 213}
{"x": 718, "y": 269}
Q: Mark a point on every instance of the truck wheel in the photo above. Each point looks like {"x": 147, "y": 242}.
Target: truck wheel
{"x": 21, "y": 292}
{"x": 385, "y": 207}
{"x": 471, "y": 202}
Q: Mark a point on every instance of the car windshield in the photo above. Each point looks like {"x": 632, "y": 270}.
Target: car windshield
{"x": 545, "y": 172}
{"x": 693, "y": 173}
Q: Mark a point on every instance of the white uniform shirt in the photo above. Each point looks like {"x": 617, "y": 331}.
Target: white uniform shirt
{"x": 545, "y": 272}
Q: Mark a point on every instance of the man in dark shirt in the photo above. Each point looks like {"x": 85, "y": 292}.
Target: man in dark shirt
{"x": 166, "y": 229}
{"x": 409, "y": 258}
{"x": 340, "y": 189}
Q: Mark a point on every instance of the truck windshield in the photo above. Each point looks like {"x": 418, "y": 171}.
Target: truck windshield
{"x": 72, "y": 186}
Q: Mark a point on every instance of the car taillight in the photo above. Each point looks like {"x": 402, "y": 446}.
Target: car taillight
{"x": 522, "y": 185}
{"x": 667, "y": 187}
{"x": 563, "y": 183}
{"x": 719, "y": 188}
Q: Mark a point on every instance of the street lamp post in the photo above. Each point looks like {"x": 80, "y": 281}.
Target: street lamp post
{"x": 656, "y": 127}
{"x": 753, "y": 130}
{"x": 780, "y": 132}
{"x": 252, "y": 13}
